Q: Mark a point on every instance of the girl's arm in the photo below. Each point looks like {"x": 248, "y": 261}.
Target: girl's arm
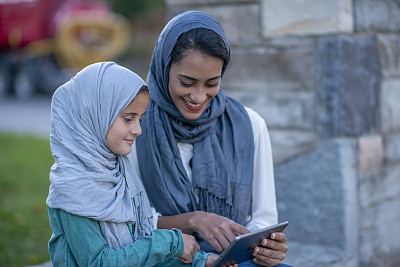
{"x": 84, "y": 240}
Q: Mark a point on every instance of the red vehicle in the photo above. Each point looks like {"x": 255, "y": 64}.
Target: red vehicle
{"x": 44, "y": 42}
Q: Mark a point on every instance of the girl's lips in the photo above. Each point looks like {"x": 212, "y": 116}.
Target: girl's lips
{"x": 192, "y": 108}
{"x": 129, "y": 141}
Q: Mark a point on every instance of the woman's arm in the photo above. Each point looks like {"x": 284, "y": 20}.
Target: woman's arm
{"x": 264, "y": 211}
{"x": 218, "y": 231}
{"x": 84, "y": 240}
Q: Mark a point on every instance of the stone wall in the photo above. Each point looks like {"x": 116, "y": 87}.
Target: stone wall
{"x": 325, "y": 75}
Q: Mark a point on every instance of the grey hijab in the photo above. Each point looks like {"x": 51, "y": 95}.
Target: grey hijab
{"x": 87, "y": 179}
{"x": 222, "y": 138}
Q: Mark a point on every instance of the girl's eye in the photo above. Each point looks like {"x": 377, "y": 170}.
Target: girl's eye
{"x": 127, "y": 119}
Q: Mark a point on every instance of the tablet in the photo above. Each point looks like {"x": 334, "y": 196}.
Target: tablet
{"x": 241, "y": 248}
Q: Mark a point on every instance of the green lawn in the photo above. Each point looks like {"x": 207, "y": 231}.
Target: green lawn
{"x": 24, "y": 182}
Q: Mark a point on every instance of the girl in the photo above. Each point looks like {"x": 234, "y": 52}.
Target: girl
{"x": 209, "y": 157}
{"x": 98, "y": 209}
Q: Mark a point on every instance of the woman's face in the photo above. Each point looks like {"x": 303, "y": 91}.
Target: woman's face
{"x": 193, "y": 82}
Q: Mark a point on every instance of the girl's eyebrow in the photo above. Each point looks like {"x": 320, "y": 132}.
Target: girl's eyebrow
{"x": 194, "y": 79}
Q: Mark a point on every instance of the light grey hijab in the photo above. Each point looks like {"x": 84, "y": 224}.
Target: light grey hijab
{"x": 87, "y": 179}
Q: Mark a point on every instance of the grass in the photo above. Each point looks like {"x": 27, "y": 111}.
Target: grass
{"x": 24, "y": 181}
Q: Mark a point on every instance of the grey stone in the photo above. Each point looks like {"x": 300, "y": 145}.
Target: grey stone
{"x": 280, "y": 110}
{"x": 290, "y": 144}
{"x": 390, "y": 108}
{"x": 307, "y": 17}
{"x": 379, "y": 187}
{"x": 389, "y": 50}
{"x": 381, "y": 237}
{"x": 348, "y": 77}
{"x": 241, "y": 23}
{"x": 310, "y": 194}
{"x": 392, "y": 148}
{"x": 261, "y": 68}
{"x": 395, "y": 16}
{"x": 372, "y": 15}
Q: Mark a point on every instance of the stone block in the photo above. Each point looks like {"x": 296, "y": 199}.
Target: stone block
{"x": 395, "y": 16}
{"x": 380, "y": 237}
{"x": 392, "y": 148}
{"x": 348, "y": 79}
{"x": 316, "y": 193}
{"x": 280, "y": 110}
{"x": 241, "y": 23}
{"x": 379, "y": 187}
{"x": 290, "y": 144}
{"x": 307, "y": 17}
{"x": 376, "y": 15}
{"x": 389, "y": 50}
{"x": 271, "y": 69}
{"x": 390, "y": 108}
{"x": 370, "y": 153}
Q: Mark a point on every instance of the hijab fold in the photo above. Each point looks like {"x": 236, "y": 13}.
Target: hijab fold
{"x": 222, "y": 138}
{"x": 87, "y": 179}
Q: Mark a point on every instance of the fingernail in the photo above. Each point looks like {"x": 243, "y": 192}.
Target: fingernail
{"x": 256, "y": 250}
{"x": 264, "y": 242}
{"x": 273, "y": 236}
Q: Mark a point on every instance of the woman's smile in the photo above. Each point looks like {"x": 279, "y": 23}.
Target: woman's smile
{"x": 192, "y": 106}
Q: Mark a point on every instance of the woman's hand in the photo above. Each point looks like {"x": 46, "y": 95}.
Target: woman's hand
{"x": 272, "y": 251}
{"x": 190, "y": 247}
{"x": 212, "y": 258}
{"x": 218, "y": 231}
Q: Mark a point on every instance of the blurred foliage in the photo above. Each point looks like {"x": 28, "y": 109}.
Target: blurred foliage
{"x": 132, "y": 9}
{"x": 24, "y": 183}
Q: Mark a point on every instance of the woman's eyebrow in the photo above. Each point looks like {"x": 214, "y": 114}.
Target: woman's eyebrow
{"x": 194, "y": 79}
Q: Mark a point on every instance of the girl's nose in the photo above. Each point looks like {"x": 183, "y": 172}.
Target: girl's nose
{"x": 136, "y": 129}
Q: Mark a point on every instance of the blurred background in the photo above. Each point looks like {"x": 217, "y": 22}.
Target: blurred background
{"x": 324, "y": 74}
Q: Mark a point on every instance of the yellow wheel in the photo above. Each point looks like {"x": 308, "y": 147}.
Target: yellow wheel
{"x": 85, "y": 39}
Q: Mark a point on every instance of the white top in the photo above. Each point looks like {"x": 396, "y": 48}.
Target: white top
{"x": 264, "y": 201}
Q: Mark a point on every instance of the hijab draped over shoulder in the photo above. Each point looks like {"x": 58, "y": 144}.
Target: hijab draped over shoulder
{"x": 87, "y": 179}
{"x": 222, "y": 138}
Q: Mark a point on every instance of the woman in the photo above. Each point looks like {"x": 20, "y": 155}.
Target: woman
{"x": 209, "y": 158}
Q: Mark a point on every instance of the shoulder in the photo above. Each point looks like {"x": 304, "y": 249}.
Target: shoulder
{"x": 257, "y": 122}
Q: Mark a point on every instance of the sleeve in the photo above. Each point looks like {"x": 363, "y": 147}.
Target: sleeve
{"x": 89, "y": 248}
{"x": 264, "y": 211}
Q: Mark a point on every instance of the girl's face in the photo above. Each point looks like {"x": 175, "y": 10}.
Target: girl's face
{"x": 126, "y": 126}
{"x": 193, "y": 82}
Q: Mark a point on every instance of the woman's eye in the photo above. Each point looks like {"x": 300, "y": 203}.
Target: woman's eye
{"x": 212, "y": 85}
{"x": 185, "y": 84}
{"x": 127, "y": 119}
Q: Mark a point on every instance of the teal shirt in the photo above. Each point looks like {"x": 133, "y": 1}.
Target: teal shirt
{"x": 77, "y": 241}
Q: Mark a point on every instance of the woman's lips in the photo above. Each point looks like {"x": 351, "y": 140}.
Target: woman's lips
{"x": 192, "y": 107}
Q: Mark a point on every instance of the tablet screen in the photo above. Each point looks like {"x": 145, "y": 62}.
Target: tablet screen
{"x": 240, "y": 250}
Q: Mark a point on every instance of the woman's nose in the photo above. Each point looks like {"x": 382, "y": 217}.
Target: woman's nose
{"x": 198, "y": 95}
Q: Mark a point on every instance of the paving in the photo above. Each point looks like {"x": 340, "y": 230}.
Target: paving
{"x": 26, "y": 117}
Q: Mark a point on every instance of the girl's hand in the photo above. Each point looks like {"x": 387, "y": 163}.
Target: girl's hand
{"x": 190, "y": 247}
{"x": 272, "y": 251}
{"x": 212, "y": 258}
{"x": 218, "y": 231}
